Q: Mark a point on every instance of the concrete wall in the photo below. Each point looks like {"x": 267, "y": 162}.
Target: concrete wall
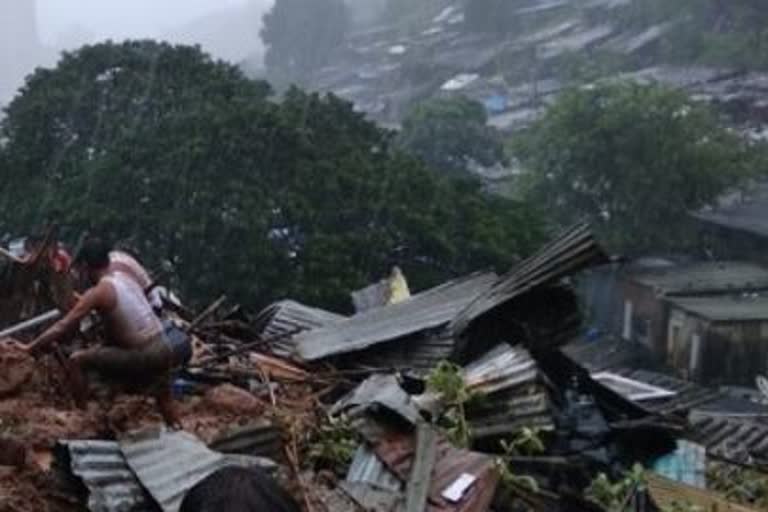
{"x": 648, "y": 315}
{"x": 732, "y": 353}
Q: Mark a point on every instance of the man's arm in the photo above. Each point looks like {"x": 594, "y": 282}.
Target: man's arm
{"x": 94, "y": 299}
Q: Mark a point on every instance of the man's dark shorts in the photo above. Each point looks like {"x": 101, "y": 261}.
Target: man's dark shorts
{"x": 148, "y": 369}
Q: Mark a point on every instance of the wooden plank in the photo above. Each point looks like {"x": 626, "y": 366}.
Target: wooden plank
{"x": 423, "y": 464}
{"x": 665, "y": 492}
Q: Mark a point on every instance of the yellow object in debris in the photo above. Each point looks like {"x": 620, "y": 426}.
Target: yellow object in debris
{"x": 398, "y": 287}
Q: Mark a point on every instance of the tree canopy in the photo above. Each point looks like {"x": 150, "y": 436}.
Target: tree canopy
{"x": 632, "y": 159}
{"x": 449, "y": 133}
{"x": 300, "y": 36}
{"x": 191, "y": 164}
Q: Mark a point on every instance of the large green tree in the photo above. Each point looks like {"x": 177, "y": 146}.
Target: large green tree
{"x": 449, "y": 133}
{"x": 190, "y": 163}
{"x": 300, "y": 36}
{"x": 633, "y": 159}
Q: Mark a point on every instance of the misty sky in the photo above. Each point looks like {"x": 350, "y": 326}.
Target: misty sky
{"x": 121, "y": 18}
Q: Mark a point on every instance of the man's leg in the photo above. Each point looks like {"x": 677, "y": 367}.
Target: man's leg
{"x": 76, "y": 377}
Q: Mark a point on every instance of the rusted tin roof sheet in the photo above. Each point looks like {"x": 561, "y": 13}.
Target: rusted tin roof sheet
{"x": 397, "y": 451}
{"x": 427, "y": 310}
{"x": 573, "y": 251}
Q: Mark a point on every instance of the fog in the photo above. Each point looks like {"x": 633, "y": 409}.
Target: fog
{"x": 31, "y": 37}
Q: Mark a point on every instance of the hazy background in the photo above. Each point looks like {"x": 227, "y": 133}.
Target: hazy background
{"x": 32, "y": 35}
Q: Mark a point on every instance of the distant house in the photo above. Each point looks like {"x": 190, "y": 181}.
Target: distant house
{"x": 738, "y": 229}
{"x": 645, "y": 294}
{"x": 719, "y": 339}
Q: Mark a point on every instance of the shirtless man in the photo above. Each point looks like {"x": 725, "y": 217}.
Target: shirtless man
{"x": 138, "y": 355}
{"x": 123, "y": 262}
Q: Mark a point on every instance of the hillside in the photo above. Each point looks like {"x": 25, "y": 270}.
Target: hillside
{"x": 515, "y": 56}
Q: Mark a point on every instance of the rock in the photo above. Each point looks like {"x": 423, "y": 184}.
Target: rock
{"x": 231, "y": 399}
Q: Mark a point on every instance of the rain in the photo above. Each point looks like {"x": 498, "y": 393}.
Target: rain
{"x": 388, "y": 255}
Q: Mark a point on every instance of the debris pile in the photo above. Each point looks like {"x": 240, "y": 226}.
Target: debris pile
{"x": 458, "y": 398}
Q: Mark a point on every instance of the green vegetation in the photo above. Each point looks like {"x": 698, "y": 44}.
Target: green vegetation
{"x": 300, "y": 36}
{"x": 333, "y": 444}
{"x": 193, "y": 165}
{"x": 739, "y": 485}
{"x": 634, "y": 160}
{"x": 676, "y": 506}
{"x": 527, "y": 442}
{"x": 447, "y": 381}
{"x": 615, "y": 496}
{"x": 449, "y": 133}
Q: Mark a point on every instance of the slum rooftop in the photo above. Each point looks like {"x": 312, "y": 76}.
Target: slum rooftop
{"x": 729, "y": 308}
{"x": 702, "y": 277}
{"x": 748, "y": 212}
{"x": 374, "y": 68}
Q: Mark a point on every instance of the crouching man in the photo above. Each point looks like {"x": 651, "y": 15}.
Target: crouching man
{"x": 138, "y": 354}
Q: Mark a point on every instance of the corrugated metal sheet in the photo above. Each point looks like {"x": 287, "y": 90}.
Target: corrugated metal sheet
{"x": 397, "y": 453}
{"x": 688, "y": 395}
{"x": 575, "y": 250}
{"x": 262, "y": 439}
{"x": 750, "y": 214}
{"x": 707, "y": 277}
{"x": 726, "y": 308}
{"x": 111, "y": 484}
{"x": 632, "y": 389}
{"x": 381, "y": 390}
{"x": 514, "y": 396}
{"x": 373, "y": 296}
{"x": 286, "y": 317}
{"x": 609, "y": 353}
{"x": 418, "y": 354}
{"x": 502, "y": 368}
{"x": 507, "y": 415}
{"x": 666, "y": 493}
{"x": 168, "y": 464}
{"x": 373, "y": 499}
{"x": 367, "y": 468}
{"x": 424, "y": 311}
{"x": 737, "y": 440}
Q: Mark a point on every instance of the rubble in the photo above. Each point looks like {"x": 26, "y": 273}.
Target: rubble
{"x": 16, "y": 368}
{"x": 231, "y": 399}
{"x": 349, "y": 412}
